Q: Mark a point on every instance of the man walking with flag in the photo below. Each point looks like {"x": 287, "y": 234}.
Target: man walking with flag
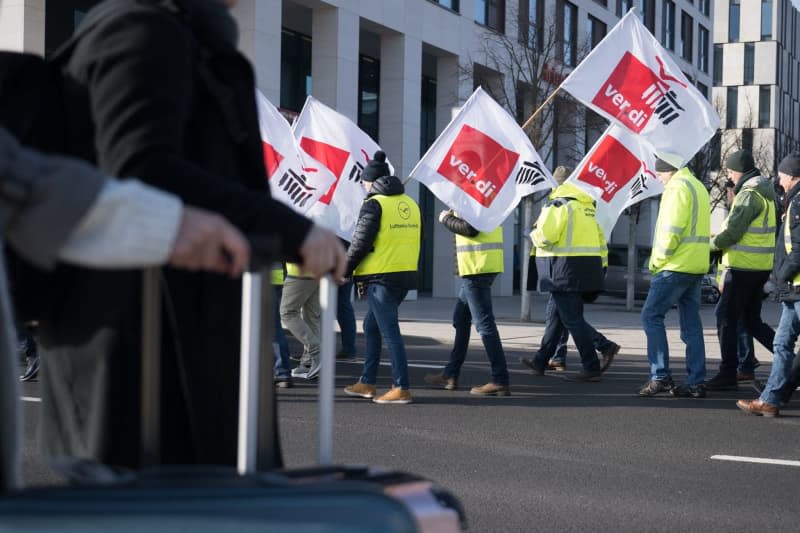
{"x": 570, "y": 252}
{"x": 678, "y": 262}
{"x": 383, "y": 256}
{"x": 479, "y": 256}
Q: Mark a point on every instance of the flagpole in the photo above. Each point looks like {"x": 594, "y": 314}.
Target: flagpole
{"x": 533, "y": 116}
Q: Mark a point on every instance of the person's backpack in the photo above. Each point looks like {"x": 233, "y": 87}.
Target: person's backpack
{"x": 33, "y": 109}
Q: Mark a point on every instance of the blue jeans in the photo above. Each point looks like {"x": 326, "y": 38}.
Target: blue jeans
{"x": 569, "y": 315}
{"x": 667, "y": 289}
{"x": 600, "y": 342}
{"x": 474, "y": 304}
{"x": 283, "y": 365}
{"x": 346, "y": 318}
{"x": 381, "y": 321}
{"x": 783, "y": 354}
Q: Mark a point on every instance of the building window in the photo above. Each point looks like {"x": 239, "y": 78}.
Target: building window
{"x": 715, "y": 151}
{"x": 687, "y": 36}
{"x": 702, "y": 45}
{"x": 733, "y": 20}
{"x": 766, "y": 19}
{"x": 603, "y": 3}
{"x": 668, "y": 24}
{"x": 427, "y": 123}
{"x": 749, "y": 62}
{"x": 732, "y": 107}
{"x": 491, "y": 13}
{"x": 747, "y": 139}
{"x": 623, "y": 6}
{"x": 703, "y": 89}
{"x": 295, "y": 69}
{"x": 595, "y": 30}
{"x": 704, "y": 7}
{"x": 369, "y": 77}
{"x": 449, "y": 4}
{"x": 649, "y": 15}
{"x": 595, "y": 126}
{"x": 569, "y": 33}
{"x": 531, "y": 23}
{"x": 764, "y": 94}
{"x": 718, "y": 57}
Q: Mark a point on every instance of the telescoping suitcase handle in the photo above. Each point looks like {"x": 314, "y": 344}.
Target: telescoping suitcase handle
{"x": 259, "y": 447}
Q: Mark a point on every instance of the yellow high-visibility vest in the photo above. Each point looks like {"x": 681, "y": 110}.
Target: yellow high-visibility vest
{"x": 756, "y": 249}
{"x": 277, "y": 274}
{"x": 481, "y": 254}
{"x": 396, "y": 247}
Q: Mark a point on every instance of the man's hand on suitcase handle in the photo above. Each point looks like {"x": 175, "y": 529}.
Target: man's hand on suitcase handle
{"x": 322, "y": 253}
{"x": 206, "y": 241}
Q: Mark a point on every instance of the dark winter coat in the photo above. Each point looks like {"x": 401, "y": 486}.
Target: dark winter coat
{"x": 171, "y": 101}
{"x": 369, "y": 222}
{"x": 787, "y": 266}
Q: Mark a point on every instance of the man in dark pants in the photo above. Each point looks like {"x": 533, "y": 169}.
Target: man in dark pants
{"x": 569, "y": 258}
{"x": 480, "y": 258}
{"x": 747, "y": 242}
{"x": 346, "y": 317}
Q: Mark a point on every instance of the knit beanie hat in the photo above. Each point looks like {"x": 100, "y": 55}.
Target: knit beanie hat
{"x": 561, "y": 173}
{"x": 740, "y": 161}
{"x": 663, "y": 166}
{"x": 376, "y": 168}
{"x": 791, "y": 165}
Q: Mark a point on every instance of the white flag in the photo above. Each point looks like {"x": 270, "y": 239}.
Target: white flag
{"x": 617, "y": 172}
{"x": 630, "y": 79}
{"x": 482, "y": 164}
{"x": 290, "y": 181}
{"x": 335, "y": 142}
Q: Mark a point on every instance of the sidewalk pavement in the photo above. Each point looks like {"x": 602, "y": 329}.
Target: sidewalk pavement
{"x": 431, "y": 318}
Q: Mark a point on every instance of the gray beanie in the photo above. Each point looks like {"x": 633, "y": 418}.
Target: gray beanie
{"x": 791, "y": 165}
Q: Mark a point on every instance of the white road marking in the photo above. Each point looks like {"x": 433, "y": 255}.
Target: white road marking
{"x": 761, "y": 460}
{"x": 30, "y": 399}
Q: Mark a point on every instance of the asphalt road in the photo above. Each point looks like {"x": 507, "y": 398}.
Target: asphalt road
{"x": 556, "y": 455}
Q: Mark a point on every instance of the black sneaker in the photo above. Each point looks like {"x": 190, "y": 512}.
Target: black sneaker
{"x": 531, "y": 363}
{"x": 689, "y": 391}
{"x": 653, "y": 387}
{"x": 720, "y": 382}
{"x": 608, "y": 356}
{"x": 31, "y": 370}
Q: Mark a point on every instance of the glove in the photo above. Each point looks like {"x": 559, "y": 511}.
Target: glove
{"x": 444, "y": 214}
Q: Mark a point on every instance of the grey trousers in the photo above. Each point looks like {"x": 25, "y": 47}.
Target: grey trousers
{"x": 300, "y": 315}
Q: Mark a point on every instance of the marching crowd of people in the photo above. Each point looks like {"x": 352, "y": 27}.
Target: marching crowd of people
{"x": 174, "y": 107}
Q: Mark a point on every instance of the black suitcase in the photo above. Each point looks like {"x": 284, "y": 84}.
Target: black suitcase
{"x": 255, "y": 496}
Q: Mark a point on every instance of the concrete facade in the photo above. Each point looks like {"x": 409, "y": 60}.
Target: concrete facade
{"x": 412, "y": 40}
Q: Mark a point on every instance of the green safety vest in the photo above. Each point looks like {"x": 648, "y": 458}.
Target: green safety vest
{"x": 396, "y": 247}
{"x": 682, "y": 249}
{"x": 787, "y": 239}
{"x": 293, "y": 270}
{"x": 277, "y": 274}
{"x": 481, "y": 254}
{"x": 756, "y": 249}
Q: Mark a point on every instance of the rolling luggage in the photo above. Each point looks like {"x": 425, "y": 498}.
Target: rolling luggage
{"x": 255, "y": 496}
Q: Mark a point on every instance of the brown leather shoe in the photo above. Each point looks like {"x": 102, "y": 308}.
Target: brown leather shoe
{"x": 491, "y": 389}
{"x": 745, "y": 377}
{"x": 757, "y": 407}
{"x": 440, "y": 380}
{"x": 558, "y": 366}
{"x": 608, "y": 356}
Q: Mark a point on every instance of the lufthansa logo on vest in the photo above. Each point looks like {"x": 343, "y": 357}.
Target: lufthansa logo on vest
{"x": 404, "y": 210}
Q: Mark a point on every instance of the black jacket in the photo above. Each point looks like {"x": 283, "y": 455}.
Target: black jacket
{"x": 166, "y": 97}
{"x": 787, "y": 266}
{"x": 367, "y": 227}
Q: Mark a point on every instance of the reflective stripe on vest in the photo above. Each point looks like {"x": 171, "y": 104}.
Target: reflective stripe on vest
{"x": 396, "y": 247}
{"x": 787, "y": 238}
{"x": 482, "y": 254}
{"x": 756, "y": 249}
{"x": 569, "y": 247}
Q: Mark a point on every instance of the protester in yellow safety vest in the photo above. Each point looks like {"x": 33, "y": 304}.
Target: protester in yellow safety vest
{"x": 570, "y": 247}
{"x": 383, "y": 257}
{"x": 283, "y": 362}
{"x": 300, "y": 314}
{"x": 678, "y": 262}
{"x": 558, "y": 362}
{"x": 747, "y": 243}
{"x": 479, "y": 256}
{"x": 785, "y": 374}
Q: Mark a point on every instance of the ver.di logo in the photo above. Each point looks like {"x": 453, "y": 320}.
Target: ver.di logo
{"x": 404, "y": 210}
